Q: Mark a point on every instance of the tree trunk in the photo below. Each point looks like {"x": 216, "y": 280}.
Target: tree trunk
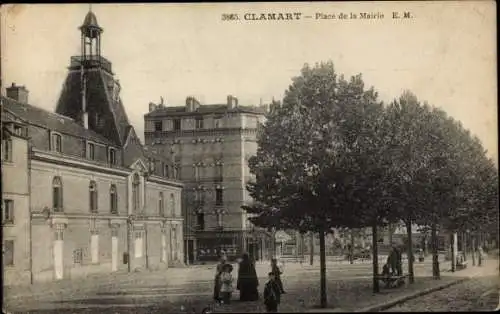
{"x": 351, "y": 251}
{"x": 435, "y": 256}
{"x": 390, "y": 233}
{"x": 322, "y": 262}
{"x": 479, "y": 245}
{"x": 376, "y": 288}
{"x": 464, "y": 245}
{"x": 311, "y": 249}
{"x": 473, "y": 248}
{"x": 410, "y": 252}
{"x": 452, "y": 249}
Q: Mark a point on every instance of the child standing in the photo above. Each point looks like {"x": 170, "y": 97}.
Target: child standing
{"x": 272, "y": 294}
{"x": 275, "y": 269}
{"x": 226, "y": 280}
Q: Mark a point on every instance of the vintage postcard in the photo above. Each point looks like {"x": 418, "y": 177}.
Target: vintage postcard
{"x": 249, "y": 157}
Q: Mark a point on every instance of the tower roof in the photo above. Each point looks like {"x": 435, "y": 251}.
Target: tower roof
{"x": 89, "y": 24}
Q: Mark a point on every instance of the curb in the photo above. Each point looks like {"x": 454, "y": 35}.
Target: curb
{"x": 392, "y": 303}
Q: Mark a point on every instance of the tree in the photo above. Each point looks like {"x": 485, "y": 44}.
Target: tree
{"x": 311, "y": 156}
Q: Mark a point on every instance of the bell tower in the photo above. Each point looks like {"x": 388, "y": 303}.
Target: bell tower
{"x": 91, "y": 38}
{"x": 90, "y": 94}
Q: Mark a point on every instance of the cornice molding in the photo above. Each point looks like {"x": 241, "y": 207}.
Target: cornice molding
{"x": 64, "y": 160}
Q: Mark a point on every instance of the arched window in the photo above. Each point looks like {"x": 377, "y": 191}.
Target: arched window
{"x": 135, "y": 193}
{"x": 57, "y": 194}
{"x": 172, "y": 204}
{"x": 93, "y": 196}
{"x": 113, "y": 199}
{"x": 161, "y": 210}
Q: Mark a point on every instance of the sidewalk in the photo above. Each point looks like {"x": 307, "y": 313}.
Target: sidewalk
{"x": 422, "y": 286}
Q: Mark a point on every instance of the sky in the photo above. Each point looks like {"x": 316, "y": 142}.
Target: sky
{"x": 445, "y": 53}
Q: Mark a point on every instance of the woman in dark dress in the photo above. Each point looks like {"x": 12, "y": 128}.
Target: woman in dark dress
{"x": 247, "y": 280}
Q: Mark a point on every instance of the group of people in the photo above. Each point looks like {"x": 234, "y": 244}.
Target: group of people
{"x": 247, "y": 283}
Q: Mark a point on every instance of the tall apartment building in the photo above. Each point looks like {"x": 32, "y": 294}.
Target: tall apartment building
{"x": 209, "y": 147}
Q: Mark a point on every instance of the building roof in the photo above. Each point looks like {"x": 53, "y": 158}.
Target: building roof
{"x": 203, "y": 109}
{"x": 90, "y": 21}
{"x": 52, "y": 121}
{"x": 99, "y": 99}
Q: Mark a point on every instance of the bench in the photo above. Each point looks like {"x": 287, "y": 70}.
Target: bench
{"x": 393, "y": 281}
{"x": 461, "y": 265}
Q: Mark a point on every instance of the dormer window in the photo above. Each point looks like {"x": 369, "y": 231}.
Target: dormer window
{"x": 91, "y": 151}
{"x": 112, "y": 156}
{"x": 18, "y": 130}
{"x": 56, "y": 142}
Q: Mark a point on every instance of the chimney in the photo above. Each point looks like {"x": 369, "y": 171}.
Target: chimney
{"x": 192, "y": 104}
{"x": 232, "y": 102}
{"x": 19, "y": 93}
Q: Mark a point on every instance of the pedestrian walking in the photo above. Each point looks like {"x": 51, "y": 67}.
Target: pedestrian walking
{"x": 275, "y": 269}
{"x": 272, "y": 294}
{"x": 247, "y": 282}
{"x": 226, "y": 283}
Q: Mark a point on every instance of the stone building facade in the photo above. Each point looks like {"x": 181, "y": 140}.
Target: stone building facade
{"x": 208, "y": 147}
{"x": 81, "y": 194}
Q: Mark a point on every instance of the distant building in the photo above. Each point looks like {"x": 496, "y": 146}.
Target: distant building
{"x": 80, "y": 194}
{"x": 209, "y": 147}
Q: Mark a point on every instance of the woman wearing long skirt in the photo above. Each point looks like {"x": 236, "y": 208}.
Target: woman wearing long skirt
{"x": 217, "y": 282}
{"x": 247, "y": 280}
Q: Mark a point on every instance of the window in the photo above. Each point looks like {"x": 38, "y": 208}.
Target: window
{"x": 93, "y": 197}
{"x": 202, "y": 198}
{"x": 113, "y": 199}
{"x": 77, "y": 256}
{"x": 8, "y": 212}
{"x": 8, "y": 252}
{"x": 161, "y": 209}
{"x": 200, "y": 221}
{"x": 177, "y": 124}
{"x": 199, "y": 123}
{"x": 158, "y": 126}
{"x": 218, "y": 172}
{"x": 18, "y": 130}
{"x": 220, "y": 220}
{"x": 57, "y": 194}
{"x": 218, "y": 196}
{"x": 176, "y": 172}
{"x": 7, "y": 149}
{"x": 172, "y": 204}
{"x": 112, "y": 156}
{"x": 91, "y": 151}
{"x": 135, "y": 193}
{"x": 56, "y": 142}
{"x": 138, "y": 244}
{"x": 166, "y": 172}
{"x": 196, "y": 172}
{"x": 217, "y": 123}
